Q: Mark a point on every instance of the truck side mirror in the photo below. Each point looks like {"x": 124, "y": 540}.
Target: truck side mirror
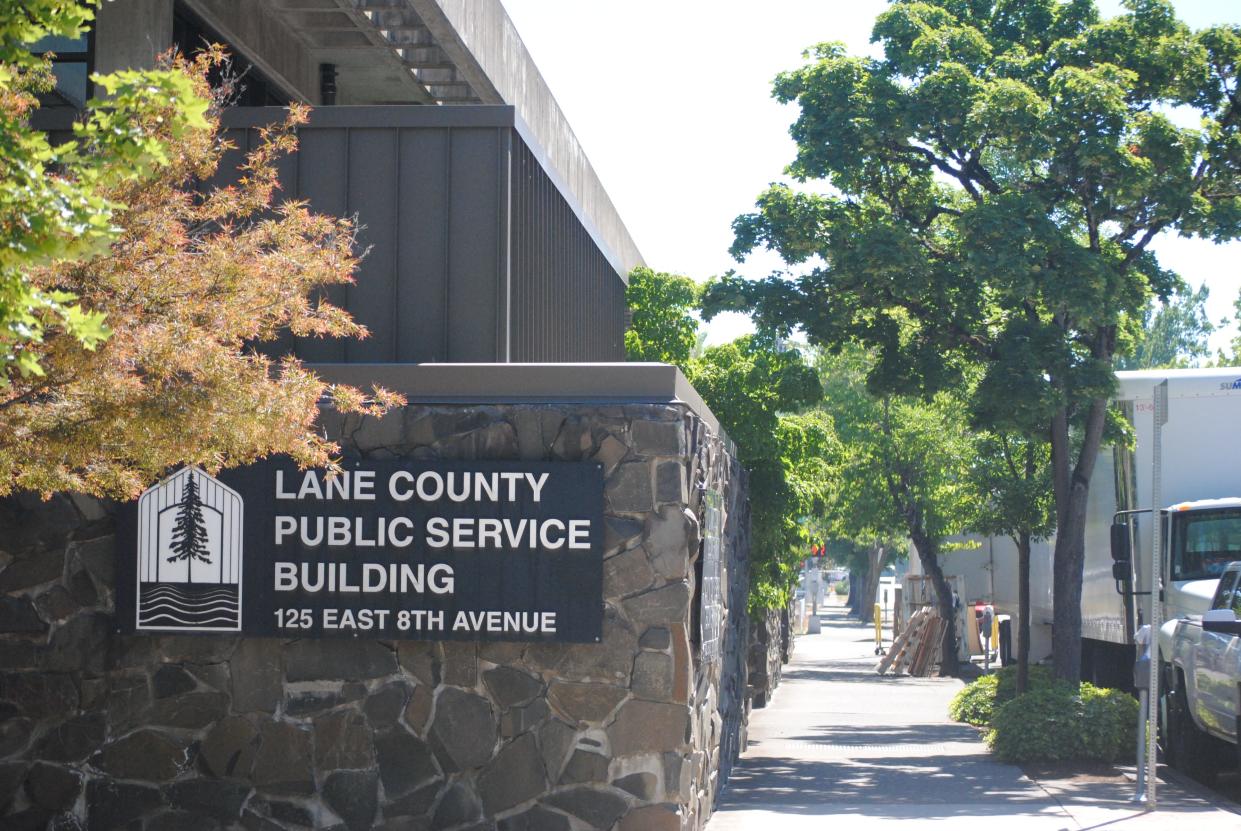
{"x": 1221, "y": 621}
{"x": 1121, "y": 555}
{"x": 1120, "y": 542}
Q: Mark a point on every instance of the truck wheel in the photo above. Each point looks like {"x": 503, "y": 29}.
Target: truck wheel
{"x": 1186, "y": 748}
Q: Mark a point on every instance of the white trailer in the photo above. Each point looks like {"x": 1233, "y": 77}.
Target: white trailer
{"x": 1201, "y": 460}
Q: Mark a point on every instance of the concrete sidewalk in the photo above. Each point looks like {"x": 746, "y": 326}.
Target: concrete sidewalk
{"x": 839, "y": 741}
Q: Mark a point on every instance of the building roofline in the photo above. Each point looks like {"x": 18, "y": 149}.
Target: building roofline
{"x": 491, "y": 46}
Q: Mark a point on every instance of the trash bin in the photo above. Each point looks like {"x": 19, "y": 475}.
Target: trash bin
{"x": 1006, "y": 641}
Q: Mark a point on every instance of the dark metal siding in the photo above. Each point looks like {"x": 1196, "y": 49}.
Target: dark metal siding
{"x": 473, "y": 254}
{"x": 568, "y": 302}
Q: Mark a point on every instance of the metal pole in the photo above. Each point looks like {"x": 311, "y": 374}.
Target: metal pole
{"x": 1156, "y": 595}
{"x": 1140, "y": 796}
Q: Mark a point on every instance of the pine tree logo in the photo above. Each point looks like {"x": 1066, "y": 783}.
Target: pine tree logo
{"x": 189, "y": 534}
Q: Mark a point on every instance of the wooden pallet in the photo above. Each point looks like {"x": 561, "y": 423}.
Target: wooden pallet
{"x": 932, "y": 642}
{"x": 901, "y": 653}
{"x": 918, "y": 647}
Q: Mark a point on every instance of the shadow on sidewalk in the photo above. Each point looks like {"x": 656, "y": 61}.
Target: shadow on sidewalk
{"x": 852, "y": 735}
{"x": 945, "y": 785}
{"x": 852, "y": 676}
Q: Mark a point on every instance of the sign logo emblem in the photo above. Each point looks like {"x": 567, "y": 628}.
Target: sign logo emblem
{"x": 189, "y": 555}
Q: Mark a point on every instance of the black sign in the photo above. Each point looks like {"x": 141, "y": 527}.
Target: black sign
{"x": 385, "y": 549}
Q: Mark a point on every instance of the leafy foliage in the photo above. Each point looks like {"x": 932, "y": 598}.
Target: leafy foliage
{"x": 1011, "y": 480}
{"x": 1172, "y": 334}
{"x": 60, "y": 203}
{"x": 904, "y": 471}
{"x": 662, "y": 327}
{"x": 755, "y": 391}
{"x": 977, "y": 701}
{"x": 190, "y": 282}
{"x": 1060, "y": 722}
{"x": 994, "y": 181}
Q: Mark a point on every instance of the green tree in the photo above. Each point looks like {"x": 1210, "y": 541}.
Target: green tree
{"x": 1172, "y": 333}
{"x": 56, "y": 201}
{"x": 1010, "y": 479}
{"x": 858, "y": 516}
{"x": 904, "y": 472}
{"x": 756, "y": 391}
{"x": 996, "y": 179}
{"x": 662, "y": 326}
{"x": 1234, "y": 359}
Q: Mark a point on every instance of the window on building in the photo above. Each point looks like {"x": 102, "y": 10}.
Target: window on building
{"x": 190, "y": 34}
{"x": 72, "y": 62}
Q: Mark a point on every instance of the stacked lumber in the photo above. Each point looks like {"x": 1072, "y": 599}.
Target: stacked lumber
{"x": 917, "y": 649}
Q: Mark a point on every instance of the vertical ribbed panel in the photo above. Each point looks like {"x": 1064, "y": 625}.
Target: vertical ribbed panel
{"x": 568, "y": 302}
{"x": 472, "y": 253}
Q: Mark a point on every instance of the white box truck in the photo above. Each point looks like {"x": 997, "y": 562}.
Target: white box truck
{"x": 1201, "y": 460}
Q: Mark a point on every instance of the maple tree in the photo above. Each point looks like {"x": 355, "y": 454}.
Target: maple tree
{"x": 195, "y": 279}
{"x": 54, "y": 203}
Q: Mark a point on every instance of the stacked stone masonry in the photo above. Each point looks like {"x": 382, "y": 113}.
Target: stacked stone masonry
{"x": 101, "y": 731}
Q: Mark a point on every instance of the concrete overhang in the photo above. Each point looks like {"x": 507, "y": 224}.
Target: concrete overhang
{"x": 439, "y": 52}
{"x": 599, "y": 383}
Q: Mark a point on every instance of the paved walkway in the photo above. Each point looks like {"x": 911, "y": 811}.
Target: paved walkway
{"x": 839, "y": 741}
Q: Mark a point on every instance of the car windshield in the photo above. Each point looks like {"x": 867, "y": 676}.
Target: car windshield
{"x": 1204, "y": 542}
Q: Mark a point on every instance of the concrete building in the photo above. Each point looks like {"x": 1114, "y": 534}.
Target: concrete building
{"x": 494, "y": 292}
{"x": 490, "y": 236}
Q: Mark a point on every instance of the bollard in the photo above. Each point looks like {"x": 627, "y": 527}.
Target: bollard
{"x": 878, "y": 629}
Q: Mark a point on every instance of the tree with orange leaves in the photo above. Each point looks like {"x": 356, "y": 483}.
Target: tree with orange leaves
{"x": 193, "y": 281}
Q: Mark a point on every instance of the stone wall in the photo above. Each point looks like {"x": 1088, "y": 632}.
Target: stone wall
{"x": 768, "y": 652}
{"x": 102, "y": 730}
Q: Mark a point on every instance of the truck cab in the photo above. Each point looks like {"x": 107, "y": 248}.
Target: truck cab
{"x": 1203, "y": 537}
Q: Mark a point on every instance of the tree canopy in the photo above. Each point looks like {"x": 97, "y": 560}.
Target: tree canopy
{"x": 191, "y": 281}
{"x": 757, "y": 392}
{"x": 994, "y": 182}
{"x": 662, "y": 326}
{"x": 1171, "y": 334}
{"x": 58, "y": 203}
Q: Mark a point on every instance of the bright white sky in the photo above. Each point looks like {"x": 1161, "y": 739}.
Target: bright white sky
{"x": 671, "y": 100}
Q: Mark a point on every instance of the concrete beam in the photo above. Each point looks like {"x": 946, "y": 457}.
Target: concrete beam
{"x": 479, "y": 37}
{"x": 130, "y": 34}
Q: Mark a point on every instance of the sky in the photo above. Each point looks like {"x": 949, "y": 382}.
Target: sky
{"x": 671, "y": 101}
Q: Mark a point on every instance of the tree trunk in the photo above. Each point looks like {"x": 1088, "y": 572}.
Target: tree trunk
{"x": 1069, "y": 558}
{"x": 1023, "y": 611}
{"x": 928, "y": 556}
{"x": 855, "y": 592}
{"x": 876, "y": 559}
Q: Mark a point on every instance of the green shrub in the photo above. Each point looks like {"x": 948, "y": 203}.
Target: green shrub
{"x": 976, "y": 703}
{"x": 841, "y": 587}
{"x": 1109, "y": 719}
{"x": 1055, "y": 723}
